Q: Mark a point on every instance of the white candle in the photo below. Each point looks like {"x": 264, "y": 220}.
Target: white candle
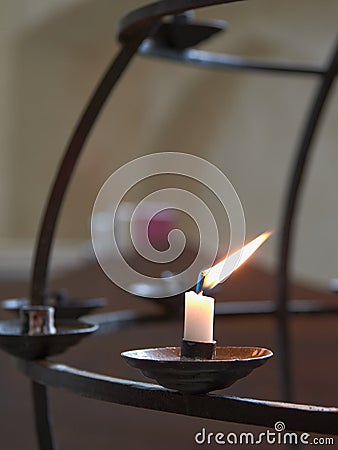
{"x": 198, "y": 318}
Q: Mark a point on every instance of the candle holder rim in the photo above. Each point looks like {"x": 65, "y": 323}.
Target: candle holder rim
{"x": 63, "y": 327}
{"x": 20, "y": 302}
{"x": 29, "y": 307}
{"x": 147, "y": 351}
{"x": 65, "y": 309}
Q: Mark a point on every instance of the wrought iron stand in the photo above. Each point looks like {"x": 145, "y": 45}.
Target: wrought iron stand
{"x": 145, "y": 32}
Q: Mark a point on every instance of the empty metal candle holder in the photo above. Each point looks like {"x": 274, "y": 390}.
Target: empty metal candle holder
{"x": 197, "y": 376}
{"x": 36, "y": 336}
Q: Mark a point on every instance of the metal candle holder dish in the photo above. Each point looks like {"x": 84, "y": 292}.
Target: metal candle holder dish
{"x": 36, "y": 336}
{"x": 197, "y": 376}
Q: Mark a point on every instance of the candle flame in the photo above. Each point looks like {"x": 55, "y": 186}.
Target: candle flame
{"x": 222, "y": 270}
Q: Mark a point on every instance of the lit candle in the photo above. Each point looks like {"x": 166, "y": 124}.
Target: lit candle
{"x": 199, "y": 317}
{"x": 198, "y": 342}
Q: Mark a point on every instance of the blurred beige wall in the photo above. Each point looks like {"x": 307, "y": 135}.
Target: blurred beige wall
{"x": 53, "y": 53}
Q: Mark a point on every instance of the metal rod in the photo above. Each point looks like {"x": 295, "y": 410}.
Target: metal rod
{"x": 66, "y": 169}
{"x": 42, "y": 417}
{"x": 288, "y": 221}
{"x": 267, "y": 307}
{"x": 212, "y": 60}
{"x": 316, "y": 419}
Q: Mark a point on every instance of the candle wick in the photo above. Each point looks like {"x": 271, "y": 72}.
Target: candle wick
{"x": 199, "y": 284}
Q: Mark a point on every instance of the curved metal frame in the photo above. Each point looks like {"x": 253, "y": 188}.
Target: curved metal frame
{"x": 134, "y": 29}
{"x": 67, "y": 167}
{"x": 314, "y": 419}
{"x": 288, "y": 217}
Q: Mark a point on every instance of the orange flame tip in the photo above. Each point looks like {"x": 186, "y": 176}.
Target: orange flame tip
{"x": 222, "y": 270}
